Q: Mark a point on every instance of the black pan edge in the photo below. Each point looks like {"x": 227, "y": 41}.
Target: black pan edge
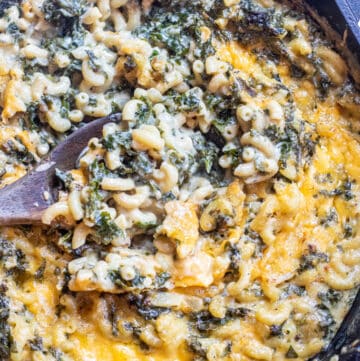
{"x": 340, "y": 21}
{"x": 343, "y": 17}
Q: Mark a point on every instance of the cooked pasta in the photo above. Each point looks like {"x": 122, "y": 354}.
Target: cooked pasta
{"x": 217, "y": 220}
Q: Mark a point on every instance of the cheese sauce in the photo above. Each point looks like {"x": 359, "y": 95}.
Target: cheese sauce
{"x": 218, "y": 220}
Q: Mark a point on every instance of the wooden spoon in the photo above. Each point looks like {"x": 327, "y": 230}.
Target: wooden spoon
{"x": 24, "y": 201}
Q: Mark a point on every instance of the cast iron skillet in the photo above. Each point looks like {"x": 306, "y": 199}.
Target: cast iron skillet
{"x": 342, "y": 15}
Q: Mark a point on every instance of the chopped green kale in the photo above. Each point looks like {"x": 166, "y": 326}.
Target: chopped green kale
{"x": 144, "y": 113}
{"x": 330, "y": 218}
{"x": 93, "y": 61}
{"x": 143, "y": 306}
{"x": 161, "y": 279}
{"x": 36, "y": 344}
{"x": 32, "y": 112}
{"x": 344, "y": 190}
{"x": 145, "y": 225}
{"x": 207, "y": 152}
{"x": 196, "y": 347}
{"x": 188, "y": 101}
{"x": 65, "y": 177}
{"x": 143, "y": 165}
{"x": 39, "y": 274}
{"x": 330, "y": 298}
{"x": 311, "y": 259}
{"x": 105, "y": 228}
{"x": 17, "y": 150}
{"x": 65, "y": 16}
{"x": 176, "y": 30}
{"x": 9, "y": 251}
{"x": 5, "y": 4}
{"x": 56, "y": 354}
{"x": 117, "y": 139}
{"x": 58, "y": 12}
{"x": 14, "y": 31}
{"x": 5, "y": 332}
{"x": 204, "y": 321}
{"x": 117, "y": 279}
{"x": 326, "y": 320}
{"x": 293, "y": 289}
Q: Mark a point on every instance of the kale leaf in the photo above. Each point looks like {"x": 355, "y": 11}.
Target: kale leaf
{"x": 117, "y": 139}
{"x": 105, "y": 228}
{"x": 5, "y": 4}
{"x": 65, "y": 16}
{"x": 5, "y": 334}
{"x": 311, "y": 259}
{"x": 144, "y": 308}
{"x": 330, "y": 298}
{"x": 207, "y": 152}
{"x": 59, "y": 11}
{"x": 65, "y": 177}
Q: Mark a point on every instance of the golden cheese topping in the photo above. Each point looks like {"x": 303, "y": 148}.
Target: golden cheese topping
{"x": 218, "y": 220}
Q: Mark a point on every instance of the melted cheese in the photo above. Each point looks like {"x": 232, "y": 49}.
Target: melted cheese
{"x": 287, "y": 221}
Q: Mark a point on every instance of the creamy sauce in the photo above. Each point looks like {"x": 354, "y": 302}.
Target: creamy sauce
{"x": 218, "y": 220}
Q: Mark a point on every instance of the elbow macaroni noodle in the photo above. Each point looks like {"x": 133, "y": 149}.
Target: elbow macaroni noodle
{"x": 218, "y": 220}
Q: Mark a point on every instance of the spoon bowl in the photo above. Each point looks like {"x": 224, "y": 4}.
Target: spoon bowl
{"x": 24, "y": 201}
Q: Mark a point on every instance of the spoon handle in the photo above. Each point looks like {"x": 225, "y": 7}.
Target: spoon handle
{"x": 23, "y": 202}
